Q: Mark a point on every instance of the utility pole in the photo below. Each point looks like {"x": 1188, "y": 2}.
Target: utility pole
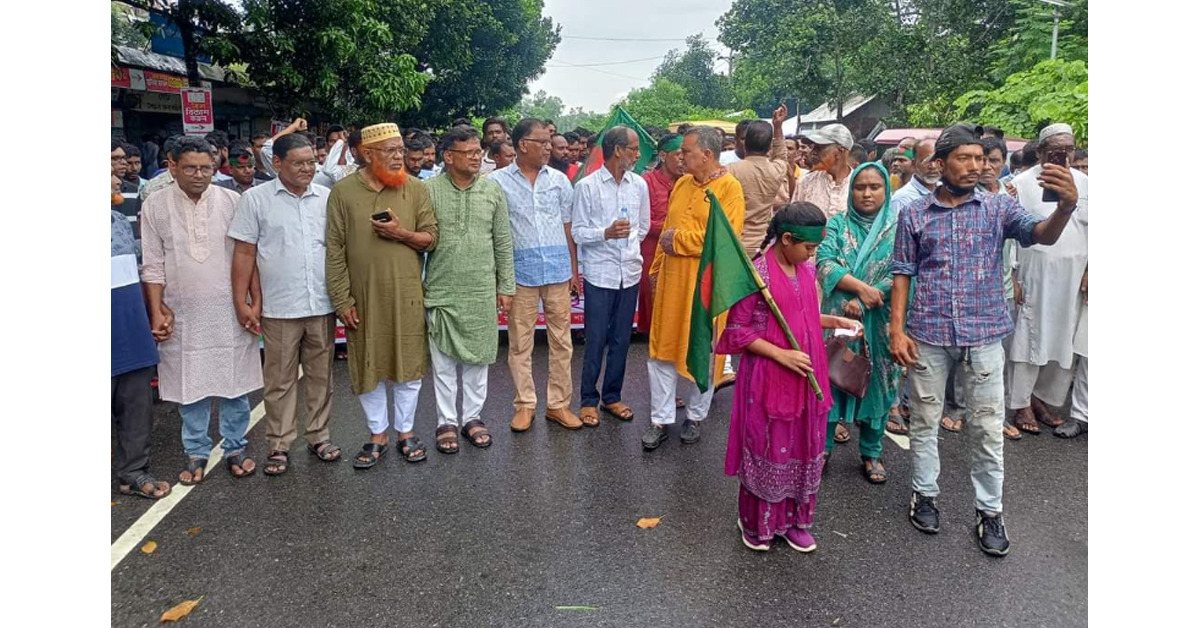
{"x": 1057, "y": 4}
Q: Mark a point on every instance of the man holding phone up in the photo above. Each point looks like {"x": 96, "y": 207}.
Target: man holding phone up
{"x": 1042, "y": 349}
{"x": 949, "y": 244}
{"x": 379, "y": 222}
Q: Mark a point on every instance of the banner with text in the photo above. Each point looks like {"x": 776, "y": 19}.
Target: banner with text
{"x": 197, "y": 111}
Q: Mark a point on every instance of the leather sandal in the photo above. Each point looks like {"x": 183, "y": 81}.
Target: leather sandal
{"x": 480, "y": 437}
{"x": 447, "y": 439}
{"x": 589, "y": 416}
{"x": 619, "y": 410}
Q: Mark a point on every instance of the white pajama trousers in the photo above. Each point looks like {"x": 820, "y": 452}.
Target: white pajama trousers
{"x": 663, "y": 379}
{"x": 404, "y": 400}
{"x": 445, "y": 387}
{"x": 1079, "y": 398}
{"x": 1050, "y": 383}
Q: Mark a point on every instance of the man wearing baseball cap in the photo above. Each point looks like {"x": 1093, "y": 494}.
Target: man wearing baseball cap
{"x": 827, "y": 185}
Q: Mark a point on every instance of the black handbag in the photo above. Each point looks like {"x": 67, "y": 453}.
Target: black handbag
{"x": 848, "y": 370}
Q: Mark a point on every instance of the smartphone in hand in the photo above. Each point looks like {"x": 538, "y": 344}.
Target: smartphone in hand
{"x": 381, "y": 217}
{"x": 1058, "y": 157}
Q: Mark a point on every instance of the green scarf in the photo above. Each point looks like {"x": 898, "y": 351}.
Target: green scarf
{"x": 870, "y": 226}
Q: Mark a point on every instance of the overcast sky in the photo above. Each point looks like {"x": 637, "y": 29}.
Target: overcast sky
{"x": 597, "y": 88}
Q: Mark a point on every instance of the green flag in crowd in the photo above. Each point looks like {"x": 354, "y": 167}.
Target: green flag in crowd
{"x": 595, "y": 157}
{"x": 725, "y": 277}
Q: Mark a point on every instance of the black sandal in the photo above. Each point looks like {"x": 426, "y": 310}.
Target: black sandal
{"x": 194, "y": 465}
{"x": 142, "y": 480}
{"x": 446, "y": 445}
{"x": 412, "y": 449}
{"x": 275, "y": 465}
{"x": 876, "y": 474}
{"x": 367, "y": 458}
{"x": 478, "y": 438}
{"x": 238, "y": 459}
{"x": 325, "y": 451}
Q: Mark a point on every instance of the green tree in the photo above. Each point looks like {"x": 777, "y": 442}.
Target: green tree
{"x": 541, "y": 105}
{"x": 1050, "y": 92}
{"x": 661, "y": 103}
{"x": 337, "y": 55}
{"x": 479, "y": 55}
{"x": 1027, "y": 41}
{"x": 694, "y": 70}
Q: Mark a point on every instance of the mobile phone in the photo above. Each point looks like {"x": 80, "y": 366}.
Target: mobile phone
{"x": 382, "y": 217}
{"x": 1058, "y": 157}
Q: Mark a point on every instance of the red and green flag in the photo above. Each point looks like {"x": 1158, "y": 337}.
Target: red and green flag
{"x": 595, "y": 157}
{"x": 725, "y": 277}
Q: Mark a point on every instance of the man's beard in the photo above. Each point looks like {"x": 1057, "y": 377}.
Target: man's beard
{"x": 388, "y": 178}
{"x": 117, "y": 199}
{"x": 559, "y": 164}
{"x": 928, "y": 180}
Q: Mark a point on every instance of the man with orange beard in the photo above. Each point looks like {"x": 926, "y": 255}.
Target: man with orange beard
{"x": 379, "y": 222}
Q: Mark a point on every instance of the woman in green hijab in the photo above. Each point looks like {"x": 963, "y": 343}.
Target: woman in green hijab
{"x": 854, "y": 270}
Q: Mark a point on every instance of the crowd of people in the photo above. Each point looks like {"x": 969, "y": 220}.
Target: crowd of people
{"x": 957, "y": 271}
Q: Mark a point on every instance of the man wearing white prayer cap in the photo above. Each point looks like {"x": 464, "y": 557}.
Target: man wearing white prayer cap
{"x": 1042, "y": 350}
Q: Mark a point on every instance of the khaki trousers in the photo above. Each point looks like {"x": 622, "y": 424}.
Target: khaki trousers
{"x": 288, "y": 343}
{"x": 556, "y": 304}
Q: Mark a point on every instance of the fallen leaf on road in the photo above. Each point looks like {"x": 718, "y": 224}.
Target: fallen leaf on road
{"x": 193, "y": 531}
{"x": 840, "y": 534}
{"x": 577, "y": 608}
{"x": 837, "y": 621}
{"x": 112, "y": 504}
{"x": 180, "y": 610}
{"x": 149, "y": 547}
{"x": 648, "y": 522}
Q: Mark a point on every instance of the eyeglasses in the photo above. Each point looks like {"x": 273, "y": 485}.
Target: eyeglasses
{"x": 192, "y": 171}
{"x": 115, "y": 159}
{"x": 469, "y": 153}
{"x": 395, "y": 151}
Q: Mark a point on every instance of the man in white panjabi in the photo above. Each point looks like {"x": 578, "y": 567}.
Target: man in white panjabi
{"x": 1043, "y": 344}
{"x": 187, "y": 266}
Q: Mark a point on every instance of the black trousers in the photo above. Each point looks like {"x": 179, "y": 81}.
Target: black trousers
{"x": 132, "y": 412}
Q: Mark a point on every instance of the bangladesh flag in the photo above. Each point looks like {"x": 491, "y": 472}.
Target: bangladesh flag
{"x": 595, "y": 158}
{"x": 725, "y": 277}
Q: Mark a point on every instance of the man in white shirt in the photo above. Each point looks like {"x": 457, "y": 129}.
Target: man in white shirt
{"x": 609, "y": 219}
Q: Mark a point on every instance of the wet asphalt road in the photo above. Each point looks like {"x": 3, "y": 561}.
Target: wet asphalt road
{"x": 503, "y": 536}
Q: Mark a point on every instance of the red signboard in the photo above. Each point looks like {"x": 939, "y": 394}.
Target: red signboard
{"x": 197, "y": 110}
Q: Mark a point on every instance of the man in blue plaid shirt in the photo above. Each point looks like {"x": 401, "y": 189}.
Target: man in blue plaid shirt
{"x": 950, "y": 244}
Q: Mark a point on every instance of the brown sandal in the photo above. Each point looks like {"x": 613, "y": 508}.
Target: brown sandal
{"x": 619, "y": 410}
{"x": 951, "y": 424}
{"x": 447, "y": 439}
{"x": 1044, "y": 414}
{"x": 589, "y": 416}
{"x": 1025, "y": 422}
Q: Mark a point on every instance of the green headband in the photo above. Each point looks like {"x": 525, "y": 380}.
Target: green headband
{"x": 672, "y": 144}
{"x": 803, "y": 234}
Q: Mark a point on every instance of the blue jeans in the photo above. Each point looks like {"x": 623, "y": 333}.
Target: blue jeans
{"x": 235, "y": 418}
{"x": 982, "y": 372}
{"x": 607, "y": 323}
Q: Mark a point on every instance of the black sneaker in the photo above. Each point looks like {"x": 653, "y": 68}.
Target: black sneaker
{"x": 923, "y": 513}
{"x": 992, "y": 537}
{"x": 653, "y": 436}
{"x": 689, "y": 432}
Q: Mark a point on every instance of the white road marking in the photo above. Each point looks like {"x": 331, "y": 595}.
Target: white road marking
{"x": 901, "y": 441}
{"x": 140, "y": 528}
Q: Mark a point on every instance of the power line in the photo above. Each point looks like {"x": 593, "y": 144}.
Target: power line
{"x": 584, "y": 67}
{"x": 632, "y": 38}
{"x": 590, "y": 65}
